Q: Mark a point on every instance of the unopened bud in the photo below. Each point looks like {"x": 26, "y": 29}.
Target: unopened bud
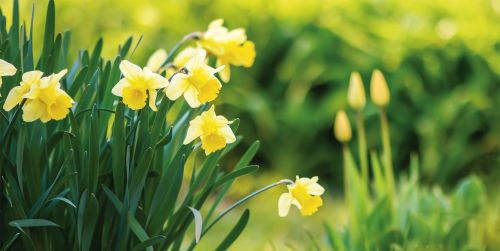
{"x": 356, "y": 92}
{"x": 379, "y": 91}
{"x": 342, "y": 127}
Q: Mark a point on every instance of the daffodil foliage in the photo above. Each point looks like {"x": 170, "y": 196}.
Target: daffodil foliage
{"x": 93, "y": 152}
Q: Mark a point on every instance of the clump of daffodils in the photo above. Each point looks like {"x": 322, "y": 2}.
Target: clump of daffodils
{"x": 304, "y": 194}
{"x": 44, "y": 98}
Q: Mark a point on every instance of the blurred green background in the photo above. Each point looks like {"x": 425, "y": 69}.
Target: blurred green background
{"x": 440, "y": 58}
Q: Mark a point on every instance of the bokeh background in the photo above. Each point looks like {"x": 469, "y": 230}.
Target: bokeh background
{"x": 440, "y": 58}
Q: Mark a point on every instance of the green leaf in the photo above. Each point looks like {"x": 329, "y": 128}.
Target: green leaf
{"x": 198, "y": 223}
{"x": 32, "y": 223}
{"x": 20, "y": 156}
{"x": 235, "y": 232}
{"x": 235, "y": 174}
{"x": 91, "y": 215}
{"x": 149, "y": 242}
{"x": 118, "y": 150}
{"x": 48, "y": 37}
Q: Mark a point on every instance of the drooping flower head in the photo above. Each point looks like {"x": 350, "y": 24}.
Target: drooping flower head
{"x": 304, "y": 193}
{"x": 196, "y": 81}
{"x": 212, "y": 129}
{"x": 6, "y": 69}
{"x": 45, "y": 100}
{"x": 230, "y": 47}
{"x": 137, "y": 84}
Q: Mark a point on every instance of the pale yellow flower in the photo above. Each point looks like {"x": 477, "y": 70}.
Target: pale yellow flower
{"x": 156, "y": 60}
{"x": 342, "y": 127}
{"x": 45, "y": 100}
{"x": 356, "y": 97}
{"x": 137, "y": 84}
{"x": 16, "y": 94}
{"x": 197, "y": 82}
{"x": 6, "y": 69}
{"x": 379, "y": 91}
{"x": 305, "y": 194}
{"x": 213, "y": 130}
{"x": 184, "y": 56}
{"x": 230, "y": 47}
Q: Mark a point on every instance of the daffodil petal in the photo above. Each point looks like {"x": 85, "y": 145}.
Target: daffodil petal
{"x": 284, "y": 203}
{"x": 177, "y": 87}
{"x": 152, "y": 99}
{"x": 157, "y": 81}
{"x": 33, "y": 110}
{"x": 157, "y": 59}
{"x": 237, "y": 36}
{"x": 118, "y": 88}
{"x": 130, "y": 70}
{"x": 32, "y": 76}
{"x": 191, "y": 96}
{"x": 14, "y": 97}
{"x": 193, "y": 132}
{"x": 228, "y": 134}
{"x": 6, "y": 68}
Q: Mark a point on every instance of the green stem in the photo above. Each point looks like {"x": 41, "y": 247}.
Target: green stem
{"x": 363, "y": 154}
{"x": 386, "y": 141}
{"x": 170, "y": 56}
{"x": 345, "y": 152}
{"x": 227, "y": 210}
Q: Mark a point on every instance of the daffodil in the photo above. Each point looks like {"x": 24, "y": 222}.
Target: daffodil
{"x": 305, "y": 194}
{"x": 6, "y": 69}
{"x": 45, "y": 100}
{"x": 230, "y": 47}
{"x": 137, "y": 84}
{"x": 196, "y": 81}
{"x": 16, "y": 94}
{"x": 212, "y": 129}
{"x": 156, "y": 60}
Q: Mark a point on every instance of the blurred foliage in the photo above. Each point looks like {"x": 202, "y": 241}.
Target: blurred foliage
{"x": 441, "y": 59}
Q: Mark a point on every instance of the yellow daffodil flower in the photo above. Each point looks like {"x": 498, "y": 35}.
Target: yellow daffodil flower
{"x": 45, "y": 100}
{"x": 6, "y": 69}
{"x": 156, "y": 60}
{"x": 16, "y": 94}
{"x": 197, "y": 82}
{"x": 213, "y": 130}
{"x": 230, "y": 47}
{"x": 137, "y": 84}
{"x": 305, "y": 194}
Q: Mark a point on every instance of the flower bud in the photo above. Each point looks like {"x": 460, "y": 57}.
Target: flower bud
{"x": 342, "y": 127}
{"x": 356, "y": 92}
{"x": 379, "y": 91}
